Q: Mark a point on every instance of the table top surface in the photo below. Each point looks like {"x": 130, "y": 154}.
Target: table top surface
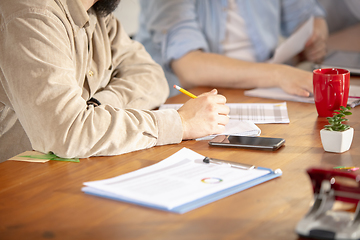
{"x": 45, "y": 201}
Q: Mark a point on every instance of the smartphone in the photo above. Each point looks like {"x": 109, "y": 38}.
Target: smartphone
{"x": 264, "y": 143}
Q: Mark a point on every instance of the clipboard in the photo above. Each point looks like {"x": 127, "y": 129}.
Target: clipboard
{"x": 118, "y": 188}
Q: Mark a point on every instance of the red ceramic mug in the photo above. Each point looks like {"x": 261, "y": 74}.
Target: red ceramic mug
{"x": 331, "y": 90}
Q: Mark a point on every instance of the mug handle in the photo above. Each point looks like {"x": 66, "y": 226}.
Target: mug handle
{"x": 334, "y": 98}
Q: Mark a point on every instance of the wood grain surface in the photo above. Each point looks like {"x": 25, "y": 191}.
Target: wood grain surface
{"x": 44, "y": 201}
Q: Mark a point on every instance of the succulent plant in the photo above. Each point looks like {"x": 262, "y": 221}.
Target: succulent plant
{"x": 336, "y": 121}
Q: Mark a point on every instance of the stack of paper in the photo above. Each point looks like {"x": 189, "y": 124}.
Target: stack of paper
{"x": 180, "y": 183}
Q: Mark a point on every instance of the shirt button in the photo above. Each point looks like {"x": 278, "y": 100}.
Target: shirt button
{"x": 91, "y": 73}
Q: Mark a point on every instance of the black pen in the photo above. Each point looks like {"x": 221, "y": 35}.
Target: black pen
{"x": 232, "y": 164}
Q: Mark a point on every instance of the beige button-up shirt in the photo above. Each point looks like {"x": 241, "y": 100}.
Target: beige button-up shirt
{"x": 54, "y": 56}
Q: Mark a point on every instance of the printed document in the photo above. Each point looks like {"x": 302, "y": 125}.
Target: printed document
{"x": 258, "y": 113}
{"x": 175, "y": 181}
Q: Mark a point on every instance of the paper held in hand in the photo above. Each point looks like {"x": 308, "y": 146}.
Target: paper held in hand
{"x": 293, "y": 44}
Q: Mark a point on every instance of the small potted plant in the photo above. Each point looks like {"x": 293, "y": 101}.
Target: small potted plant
{"x": 337, "y": 136}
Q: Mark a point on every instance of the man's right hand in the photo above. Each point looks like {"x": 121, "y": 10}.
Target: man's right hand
{"x": 204, "y": 115}
{"x": 293, "y": 80}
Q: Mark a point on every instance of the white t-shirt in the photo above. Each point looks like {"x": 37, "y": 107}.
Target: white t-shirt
{"x": 237, "y": 43}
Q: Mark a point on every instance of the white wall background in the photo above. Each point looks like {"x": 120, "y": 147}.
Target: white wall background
{"x": 128, "y": 12}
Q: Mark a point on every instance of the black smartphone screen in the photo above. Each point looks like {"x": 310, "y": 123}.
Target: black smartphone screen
{"x": 247, "y": 142}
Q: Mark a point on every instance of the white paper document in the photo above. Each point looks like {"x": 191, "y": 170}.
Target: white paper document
{"x": 279, "y": 94}
{"x": 175, "y": 181}
{"x": 257, "y": 113}
{"x": 237, "y": 128}
{"x": 276, "y": 93}
{"x": 293, "y": 44}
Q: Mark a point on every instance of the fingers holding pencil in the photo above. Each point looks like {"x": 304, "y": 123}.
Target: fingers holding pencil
{"x": 184, "y": 91}
{"x": 214, "y": 91}
{"x": 205, "y": 115}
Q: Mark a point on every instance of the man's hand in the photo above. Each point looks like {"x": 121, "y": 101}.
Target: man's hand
{"x": 294, "y": 80}
{"x": 315, "y": 48}
{"x": 204, "y": 115}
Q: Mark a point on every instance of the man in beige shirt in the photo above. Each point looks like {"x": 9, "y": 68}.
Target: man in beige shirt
{"x": 73, "y": 83}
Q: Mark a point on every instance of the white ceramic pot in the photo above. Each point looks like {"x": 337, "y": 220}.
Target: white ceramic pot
{"x": 337, "y": 142}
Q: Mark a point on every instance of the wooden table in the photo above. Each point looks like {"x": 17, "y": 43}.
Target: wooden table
{"x": 44, "y": 201}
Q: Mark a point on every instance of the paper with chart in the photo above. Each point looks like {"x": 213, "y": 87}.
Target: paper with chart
{"x": 257, "y": 113}
{"x": 177, "y": 180}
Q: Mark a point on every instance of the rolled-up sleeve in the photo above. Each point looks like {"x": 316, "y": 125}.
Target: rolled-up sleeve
{"x": 296, "y": 12}
{"x": 174, "y": 28}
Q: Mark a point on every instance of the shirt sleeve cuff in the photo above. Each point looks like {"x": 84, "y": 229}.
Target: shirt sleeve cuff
{"x": 108, "y": 98}
{"x": 176, "y": 45}
{"x": 170, "y": 127}
{"x": 319, "y": 11}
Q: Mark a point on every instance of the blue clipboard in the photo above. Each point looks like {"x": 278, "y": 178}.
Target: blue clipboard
{"x": 196, "y": 203}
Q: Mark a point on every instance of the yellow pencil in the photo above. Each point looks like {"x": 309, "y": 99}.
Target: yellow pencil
{"x": 184, "y": 91}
